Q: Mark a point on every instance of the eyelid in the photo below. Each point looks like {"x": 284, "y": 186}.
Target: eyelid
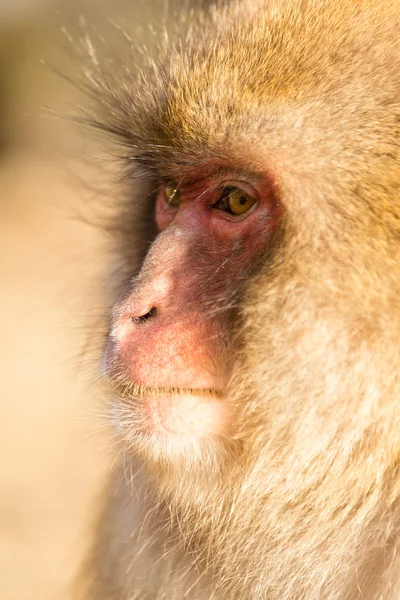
{"x": 244, "y": 186}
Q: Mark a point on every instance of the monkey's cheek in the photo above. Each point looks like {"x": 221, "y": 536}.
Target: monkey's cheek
{"x": 188, "y": 415}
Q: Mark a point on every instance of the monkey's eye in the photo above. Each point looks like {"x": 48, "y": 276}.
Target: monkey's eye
{"x": 235, "y": 201}
{"x": 172, "y": 195}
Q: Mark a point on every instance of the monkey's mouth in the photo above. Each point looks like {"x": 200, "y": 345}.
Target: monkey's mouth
{"x": 132, "y": 391}
{"x": 183, "y": 412}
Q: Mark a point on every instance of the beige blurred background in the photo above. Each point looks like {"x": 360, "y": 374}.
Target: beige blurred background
{"x": 54, "y": 450}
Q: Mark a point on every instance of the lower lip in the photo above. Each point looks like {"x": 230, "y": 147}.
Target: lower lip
{"x": 186, "y": 414}
{"x": 106, "y": 361}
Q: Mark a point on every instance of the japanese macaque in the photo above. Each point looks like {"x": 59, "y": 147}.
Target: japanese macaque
{"x": 253, "y": 359}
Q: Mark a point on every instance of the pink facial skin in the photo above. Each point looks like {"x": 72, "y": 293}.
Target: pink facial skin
{"x": 169, "y": 329}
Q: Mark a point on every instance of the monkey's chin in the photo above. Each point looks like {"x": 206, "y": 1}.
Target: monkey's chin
{"x": 186, "y": 413}
{"x": 171, "y": 417}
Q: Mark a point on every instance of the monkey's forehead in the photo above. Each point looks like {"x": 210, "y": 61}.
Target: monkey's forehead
{"x": 328, "y": 68}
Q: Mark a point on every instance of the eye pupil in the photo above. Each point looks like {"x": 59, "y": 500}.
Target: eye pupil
{"x": 238, "y": 202}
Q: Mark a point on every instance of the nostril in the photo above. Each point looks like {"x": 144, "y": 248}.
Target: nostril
{"x": 142, "y": 319}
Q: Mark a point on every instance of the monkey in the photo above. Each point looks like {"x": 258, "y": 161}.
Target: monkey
{"x": 252, "y": 364}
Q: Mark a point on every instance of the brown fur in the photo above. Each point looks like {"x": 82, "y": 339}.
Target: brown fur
{"x": 304, "y": 503}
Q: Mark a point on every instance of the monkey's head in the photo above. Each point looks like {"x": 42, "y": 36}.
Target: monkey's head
{"x": 261, "y": 323}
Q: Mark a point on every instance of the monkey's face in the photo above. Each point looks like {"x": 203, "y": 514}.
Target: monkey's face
{"x": 170, "y": 352}
{"x": 238, "y": 333}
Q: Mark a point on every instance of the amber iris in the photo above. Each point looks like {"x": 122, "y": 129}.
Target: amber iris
{"x": 237, "y": 202}
{"x": 172, "y": 195}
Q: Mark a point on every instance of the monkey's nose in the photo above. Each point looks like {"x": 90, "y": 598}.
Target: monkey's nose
{"x": 140, "y": 319}
{"x": 129, "y": 324}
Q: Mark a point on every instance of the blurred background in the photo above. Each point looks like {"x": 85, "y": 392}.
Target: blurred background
{"x": 54, "y": 448}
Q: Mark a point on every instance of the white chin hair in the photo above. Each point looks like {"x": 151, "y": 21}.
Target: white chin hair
{"x": 175, "y": 427}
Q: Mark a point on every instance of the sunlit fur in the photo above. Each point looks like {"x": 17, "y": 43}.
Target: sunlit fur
{"x": 304, "y": 503}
